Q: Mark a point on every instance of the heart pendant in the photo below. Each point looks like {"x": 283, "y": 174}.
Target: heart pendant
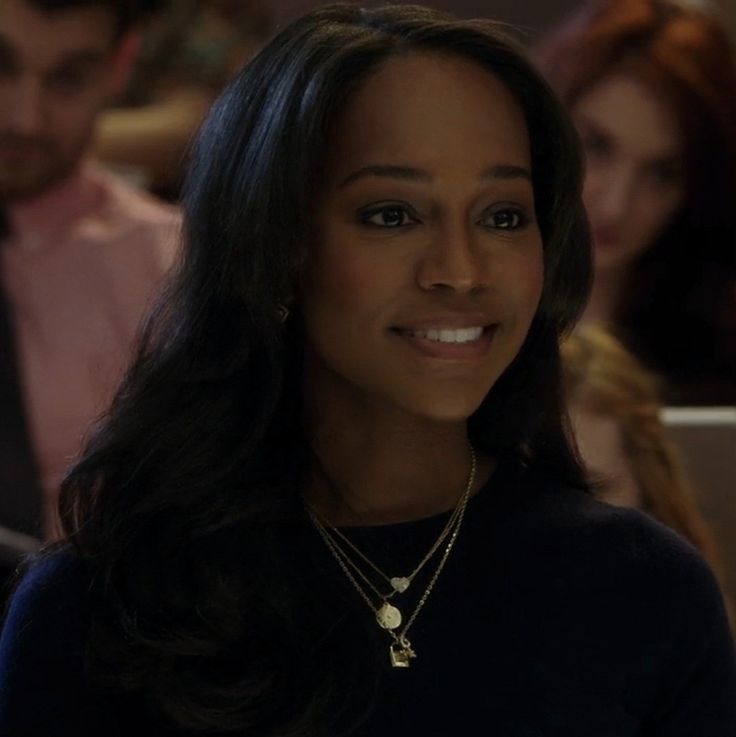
{"x": 400, "y": 584}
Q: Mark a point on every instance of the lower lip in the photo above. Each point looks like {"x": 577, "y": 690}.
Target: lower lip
{"x": 471, "y": 351}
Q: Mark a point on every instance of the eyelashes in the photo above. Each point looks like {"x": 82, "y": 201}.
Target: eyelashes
{"x": 507, "y": 217}
{"x": 389, "y": 216}
{"x": 395, "y": 215}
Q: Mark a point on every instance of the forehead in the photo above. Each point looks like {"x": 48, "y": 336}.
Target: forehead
{"x": 39, "y": 39}
{"x": 425, "y": 109}
{"x": 628, "y": 110}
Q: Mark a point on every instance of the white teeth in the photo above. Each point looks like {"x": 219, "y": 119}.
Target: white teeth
{"x": 462, "y": 335}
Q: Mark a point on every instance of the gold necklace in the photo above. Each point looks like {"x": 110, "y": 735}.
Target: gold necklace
{"x": 398, "y": 584}
{"x": 387, "y": 615}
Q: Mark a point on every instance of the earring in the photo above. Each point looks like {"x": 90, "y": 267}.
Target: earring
{"x": 283, "y": 312}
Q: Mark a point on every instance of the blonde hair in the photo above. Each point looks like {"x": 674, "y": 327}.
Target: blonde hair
{"x": 604, "y": 378}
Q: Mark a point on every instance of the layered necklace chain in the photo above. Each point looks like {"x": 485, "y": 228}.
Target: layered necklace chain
{"x": 388, "y": 615}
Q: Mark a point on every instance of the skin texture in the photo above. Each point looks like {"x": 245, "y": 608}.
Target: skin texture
{"x": 57, "y": 70}
{"x": 601, "y": 447}
{"x": 446, "y": 239}
{"x": 634, "y": 171}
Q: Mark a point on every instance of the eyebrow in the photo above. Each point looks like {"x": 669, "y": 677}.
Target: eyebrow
{"x": 666, "y": 156}
{"x": 76, "y": 59}
{"x": 408, "y": 173}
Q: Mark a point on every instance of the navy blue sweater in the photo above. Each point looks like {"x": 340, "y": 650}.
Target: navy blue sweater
{"x": 556, "y": 616}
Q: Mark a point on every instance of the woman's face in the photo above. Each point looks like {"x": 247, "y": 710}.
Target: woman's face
{"x": 426, "y": 268}
{"x": 634, "y": 181}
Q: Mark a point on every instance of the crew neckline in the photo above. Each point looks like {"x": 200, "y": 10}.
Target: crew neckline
{"x": 493, "y": 484}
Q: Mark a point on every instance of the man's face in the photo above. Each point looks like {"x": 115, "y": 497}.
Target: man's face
{"x": 56, "y": 72}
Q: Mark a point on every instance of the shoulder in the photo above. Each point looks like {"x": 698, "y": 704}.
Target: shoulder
{"x": 50, "y": 598}
{"x": 43, "y": 641}
{"x": 48, "y": 580}
{"x": 131, "y": 215}
{"x": 616, "y": 582}
{"x": 132, "y": 200}
{"x": 565, "y": 534}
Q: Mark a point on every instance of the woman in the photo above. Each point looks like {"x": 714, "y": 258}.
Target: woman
{"x": 336, "y": 483}
{"x": 616, "y": 411}
{"x": 651, "y": 86}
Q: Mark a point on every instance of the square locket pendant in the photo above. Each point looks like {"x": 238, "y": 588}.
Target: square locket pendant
{"x": 401, "y": 655}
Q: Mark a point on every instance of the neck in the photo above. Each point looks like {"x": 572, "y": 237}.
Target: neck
{"x": 380, "y": 465}
{"x": 604, "y": 298}
{"x": 57, "y": 205}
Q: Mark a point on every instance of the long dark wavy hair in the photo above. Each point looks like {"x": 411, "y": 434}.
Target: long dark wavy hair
{"x": 687, "y": 277}
{"x": 187, "y": 502}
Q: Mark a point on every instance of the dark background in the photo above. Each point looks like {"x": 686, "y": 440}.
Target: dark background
{"x": 531, "y": 16}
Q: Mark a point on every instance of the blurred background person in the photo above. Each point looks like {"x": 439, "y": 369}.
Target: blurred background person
{"x": 189, "y": 50}
{"x": 615, "y": 408}
{"x": 652, "y": 89}
{"x": 81, "y": 252}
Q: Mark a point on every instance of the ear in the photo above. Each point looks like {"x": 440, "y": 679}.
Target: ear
{"x": 123, "y": 62}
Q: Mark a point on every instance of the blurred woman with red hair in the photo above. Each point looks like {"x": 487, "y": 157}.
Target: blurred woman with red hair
{"x": 651, "y": 86}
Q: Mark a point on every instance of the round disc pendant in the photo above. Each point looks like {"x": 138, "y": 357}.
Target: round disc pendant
{"x": 400, "y": 584}
{"x": 388, "y": 616}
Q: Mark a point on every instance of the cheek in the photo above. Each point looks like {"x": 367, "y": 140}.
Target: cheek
{"x": 341, "y": 279}
{"x": 75, "y": 127}
{"x": 527, "y": 280}
{"x": 663, "y": 208}
{"x": 71, "y": 121}
{"x": 350, "y": 288}
{"x": 649, "y": 216}
{"x": 596, "y": 179}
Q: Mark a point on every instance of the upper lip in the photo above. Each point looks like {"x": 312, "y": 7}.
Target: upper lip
{"x": 448, "y": 321}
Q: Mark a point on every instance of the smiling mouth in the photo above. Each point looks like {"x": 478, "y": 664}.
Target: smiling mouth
{"x": 468, "y": 343}
{"x": 445, "y": 335}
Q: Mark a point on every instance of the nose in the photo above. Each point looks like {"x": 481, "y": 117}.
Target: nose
{"x": 453, "y": 261}
{"x": 24, "y": 114}
{"x": 614, "y": 194}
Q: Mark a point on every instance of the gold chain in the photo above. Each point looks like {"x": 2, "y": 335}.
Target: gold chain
{"x": 387, "y": 615}
{"x": 398, "y": 584}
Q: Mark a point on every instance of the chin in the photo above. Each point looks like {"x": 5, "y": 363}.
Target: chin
{"x": 444, "y": 409}
{"x": 26, "y": 185}
{"x": 615, "y": 259}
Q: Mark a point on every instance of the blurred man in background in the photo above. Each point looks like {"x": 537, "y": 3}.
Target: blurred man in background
{"x": 82, "y": 253}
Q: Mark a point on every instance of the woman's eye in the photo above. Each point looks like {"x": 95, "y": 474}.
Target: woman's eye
{"x": 392, "y": 216}
{"x": 507, "y": 218}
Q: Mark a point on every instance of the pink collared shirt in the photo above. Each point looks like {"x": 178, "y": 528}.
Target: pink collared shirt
{"x": 82, "y": 265}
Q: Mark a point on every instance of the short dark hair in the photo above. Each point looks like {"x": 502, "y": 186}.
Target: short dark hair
{"x": 199, "y": 466}
{"x": 126, "y": 12}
